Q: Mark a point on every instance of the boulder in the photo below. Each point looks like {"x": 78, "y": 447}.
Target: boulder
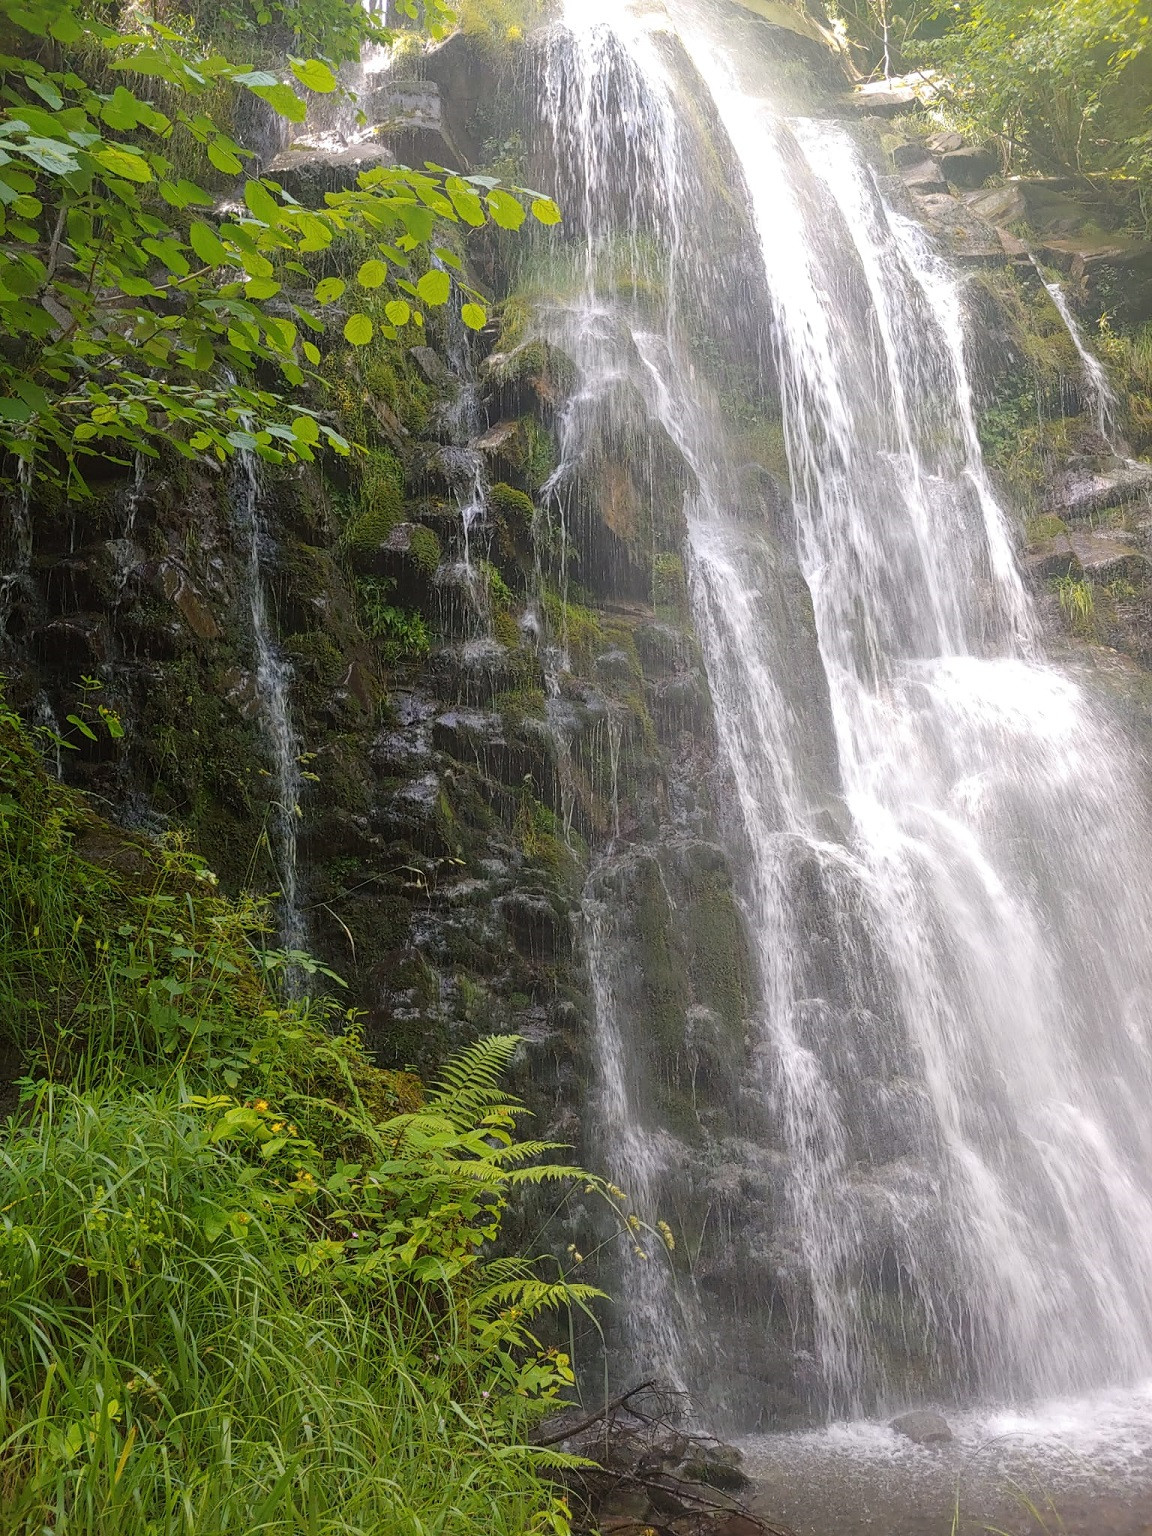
{"x": 309, "y": 169}
{"x": 998, "y": 205}
{"x": 918, "y": 170}
{"x": 408, "y": 115}
{"x": 922, "y": 1426}
{"x": 968, "y": 167}
{"x": 1083, "y": 490}
{"x": 966, "y": 236}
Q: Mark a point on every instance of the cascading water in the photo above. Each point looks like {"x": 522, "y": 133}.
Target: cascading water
{"x": 939, "y": 1180}
{"x": 273, "y": 684}
{"x": 1100, "y": 391}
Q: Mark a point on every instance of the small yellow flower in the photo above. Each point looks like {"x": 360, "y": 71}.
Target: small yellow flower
{"x": 260, "y": 1106}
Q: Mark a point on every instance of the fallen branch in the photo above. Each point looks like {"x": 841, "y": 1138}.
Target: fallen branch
{"x": 594, "y": 1418}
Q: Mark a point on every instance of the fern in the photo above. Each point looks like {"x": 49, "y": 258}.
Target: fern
{"x": 470, "y": 1086}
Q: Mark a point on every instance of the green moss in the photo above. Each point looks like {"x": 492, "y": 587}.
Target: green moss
{"x": 424, "y": 547}
{"x": 512, "y": 506}
{"x": 505, "y": 628}
{"x": 669, "y": 586}
{"x": 380, "y": 502}
{"x": 575, "y": 626}
{"x": 1041, "y": 529}
{"x": 538, "y": 833}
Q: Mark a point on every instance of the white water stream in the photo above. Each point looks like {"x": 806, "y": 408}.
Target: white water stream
{"x": 273, "y": 684}
{"x": 942, "y": 843}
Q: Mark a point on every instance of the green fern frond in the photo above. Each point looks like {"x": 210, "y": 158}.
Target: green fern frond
{"x": 522, "y": 1151}
{"x": 533, "y": 1296}
{"x": 469, "y": 1086}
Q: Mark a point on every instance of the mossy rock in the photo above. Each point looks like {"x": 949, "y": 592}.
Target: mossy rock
{"x": 1041, "y": 529}
{"x": 669, "y": 583}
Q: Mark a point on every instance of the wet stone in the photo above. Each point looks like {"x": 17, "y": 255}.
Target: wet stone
{"x": 922, "y": 1426}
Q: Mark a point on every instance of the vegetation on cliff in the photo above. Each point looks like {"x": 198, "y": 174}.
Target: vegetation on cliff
{"x": 1064, "y": 86}
{"x": 243, "y": 1272}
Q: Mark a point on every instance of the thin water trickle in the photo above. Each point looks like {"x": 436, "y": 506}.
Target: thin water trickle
{"x": 941, "y": 840}
{"x": 1102, "y": 396}
{"x": 273, "y": 690}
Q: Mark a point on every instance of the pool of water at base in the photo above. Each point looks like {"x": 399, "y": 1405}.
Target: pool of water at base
{"x": 1079, "y": 1467}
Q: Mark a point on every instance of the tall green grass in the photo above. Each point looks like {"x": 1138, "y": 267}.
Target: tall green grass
{"x": 245, "y": 1282}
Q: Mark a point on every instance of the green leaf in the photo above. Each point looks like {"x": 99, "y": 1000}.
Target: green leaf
{"x": 311, "y": 352}
{"x": 398, "y": 312}
{"x": 15, "y": 410}
{"x": 261, "y": 288}
{"x": 545, "y": 210}
{"x": 314, "y": 74}
{"x": 85, "y": 730}
{"x": 358, "y": 330}
{"x": 207, "y": 245}
{"x": 372, "y": 274}
{"x": 329, "y": 289}
{"x": 120, "y": 161}
{"x": 283, "y": 100}
{"x": 306, "y": 429}
{"x": 434, "y": 287}
{"x": 474, "y": 316}
{"x": 261, "y": 204}
{"x": 46, "y": 91}
{"x": 223, "y": 159}
{"x": 505, "y": 210}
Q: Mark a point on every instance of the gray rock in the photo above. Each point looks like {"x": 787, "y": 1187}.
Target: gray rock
{"x": 968, "y": 167}
{"x": 922, "y": 1426}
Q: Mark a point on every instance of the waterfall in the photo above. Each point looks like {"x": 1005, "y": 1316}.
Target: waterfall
{"x": 943, "y": 1152}
{"x": 273, "y": 684}
{"x": 1100, "y": 392}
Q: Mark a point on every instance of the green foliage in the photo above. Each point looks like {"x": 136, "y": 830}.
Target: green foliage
{"x": 1077, "y": 602}
{"x": 401, "y": 632}
{"x": 1061, "y": 83}
{"x": 245, "y": 1280}
{"x": 130, "y": 304}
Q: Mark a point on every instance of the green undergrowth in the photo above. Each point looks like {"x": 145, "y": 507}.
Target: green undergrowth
{"x": 246, "y": 1281}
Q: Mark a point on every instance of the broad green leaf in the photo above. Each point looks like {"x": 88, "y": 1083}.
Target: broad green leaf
{"x": 15, "y": 410}
{"x": 121, "y": 162}
{"x": 474, "y": 316}
{"x": 314, "y": 74}
{"x": 398, "y": 312}
{"x": 223, "y": 159}
{"x": 311, "y": 352}
{"x": 372, "y": 274}
{"x": 261, "y": 288}
{"x": 207, "y": 245}
{"x": 545, "y": 210}
{"x": 306, "y": 429}
{"x": 329, "y": 289}
{"x": 261, "y": 204}
{"x": 283, "y": 100}
{"x": 505, "y": 209}
{"x": 434, "y": 287}
{"x": 358, "y": 330}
